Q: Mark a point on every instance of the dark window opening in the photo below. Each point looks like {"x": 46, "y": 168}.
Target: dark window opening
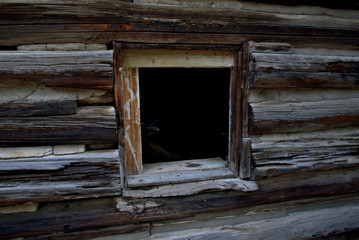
{"x": 184, "y": 113}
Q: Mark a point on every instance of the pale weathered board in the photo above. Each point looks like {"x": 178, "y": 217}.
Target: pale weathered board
{"x": 184, "y": 165}
{"x": 287, "y": 70}
{"x": 277, "y": 154}
{"x": 177, "y": 58}
{"x": 296, "y": 225}
{"x": 174, "y": 177}
{"x": 184, "y": 189}
{"x": 91, "y": 124}
{"x": 304, "y": 116}
{"x": 78, "y": 69}
{"x": 60, "y": 177}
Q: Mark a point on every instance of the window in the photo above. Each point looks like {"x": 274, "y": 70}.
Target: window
{"x": 182, "y": 112}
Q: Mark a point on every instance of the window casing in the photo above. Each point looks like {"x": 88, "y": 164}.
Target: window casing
{"x": 130, "y": 57}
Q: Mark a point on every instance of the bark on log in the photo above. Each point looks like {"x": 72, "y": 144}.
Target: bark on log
{"x": 305, "y": 116}
{"x": 56, "y": 178}
{"x": 268, "y": 70}
{"x": 88, "y": 125}
{"x": 79, "y": 215}
{"x": 37, "y": 22}
{"x": 92, "y": 69}
{"x": 45, "y": 108}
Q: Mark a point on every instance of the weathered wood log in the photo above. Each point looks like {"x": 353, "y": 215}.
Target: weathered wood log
{"x": 45, "y": 108}
{"x": 268, "y": 70}
{"x": 277, "y": 154}
{"x": 56, "y": 178}
{"x": 191, "y": 188}
{"x": 102, "y": 212}
{"x": 272, "y": 47}
{"x": 110, "y": 232}
{"x": 301, "y": 224}
{"x": 105, "y": 99}
{"x": 95, "y": 124}
{"x": 91, "y": 69}
{"x": 37, "y": 22}
{"x": 346, "y": 4}
{"x": 304, "y": 116}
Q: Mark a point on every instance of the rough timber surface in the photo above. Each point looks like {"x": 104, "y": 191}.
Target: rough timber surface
{"x": 105, "y": 21}
{"x": 180, "y": 172}
{"x": 91, "y": 124}
{"x": 277, "y": 154}
{"x": 304, "y": 116}
{"x": 40, "y": 108}
{"x": 75, "y": 69}
{"x": 301, "y": 224}
{"x": 59, "y": 177}
{"x": 102, "y": 212}
{"x": 289, "y": 70}
{"x": 191, "y": 188}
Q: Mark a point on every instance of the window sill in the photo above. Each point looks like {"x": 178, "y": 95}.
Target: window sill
{"x": 183, "y": 178}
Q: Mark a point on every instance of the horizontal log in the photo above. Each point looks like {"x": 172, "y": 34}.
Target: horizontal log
{"x": 102, "y": 212}
{"x": 270, "y": 47}
{"x": 59, "y": 177}
{"x": 109, "y": 232}
{"x": 277, "y": 154}
{"x": 91, "y": 69}
{"x": 305, "y": 116}
{"x": 191, "y": 188}
{"x": 301, "y": 224}
{"x": 105, "y": 99}
{"x": 45, "y": 108}
{"x": 92, "y": 124}
{"x": 104, "y": 21}
{"x": 346, "y": 4}
{"x": 303, "y": 71}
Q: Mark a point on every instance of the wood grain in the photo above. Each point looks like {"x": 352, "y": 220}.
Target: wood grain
{"x": 235, "y": 114}
{"x": 191, "y": 188}
{"x": 130, "y": 116}
{"x": 136, "y": 181}
{"x": 92, "y": 124}
{"x": 289, "y": 70}
{"x": 102, "y": 212}
{"x": 304, "y": 116}
{"x": 56, "y": 178}
{"x": 86, "y": 69}
{"x": 104, "y": 21}
{"x": 44, "y": 108}
{"x": 302, "y": 224}
{"x": 277, "y": 154}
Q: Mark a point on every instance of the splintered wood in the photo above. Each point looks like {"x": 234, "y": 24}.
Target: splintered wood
{"x": 191, "y": 188}
{"x": 180, "y": 172}
{"x": 130, "y": 118}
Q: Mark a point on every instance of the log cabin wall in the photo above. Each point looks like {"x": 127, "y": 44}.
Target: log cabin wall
{"x": 59, "y": 163}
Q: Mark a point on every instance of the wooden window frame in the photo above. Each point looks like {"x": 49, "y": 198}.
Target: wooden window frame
{"x": 126, "y": 94}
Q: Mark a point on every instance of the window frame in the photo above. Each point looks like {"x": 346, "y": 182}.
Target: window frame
{"x": 126, "y": 94}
